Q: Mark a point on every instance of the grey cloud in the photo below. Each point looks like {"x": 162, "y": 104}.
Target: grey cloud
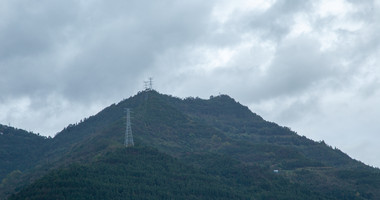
{"x": 275, "y": 23}
{"x": 298, "y": 64}
{"x": 57, "y": 56}
{"x": 125, "y": 51}
{"x": 116, "y": 43}
{"x": 299, "y": 108}
{"x": 33, "y": 28}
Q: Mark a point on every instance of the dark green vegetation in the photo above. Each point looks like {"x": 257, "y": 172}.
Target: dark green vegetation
{"x": 19, "y": 150}
{"x": 128, "y": 173}
{"x": 185, "y": 149}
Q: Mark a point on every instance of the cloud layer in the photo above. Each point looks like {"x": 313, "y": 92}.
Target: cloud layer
{"x": 310, "y": 65}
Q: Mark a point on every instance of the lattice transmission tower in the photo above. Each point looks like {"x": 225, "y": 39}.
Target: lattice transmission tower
{"x": 128, "y": 142}
{"x": 148, "y": 85}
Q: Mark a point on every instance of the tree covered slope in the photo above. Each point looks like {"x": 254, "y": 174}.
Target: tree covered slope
{"x": 145, "y": 173}
{"x": 218, "y": 141}
{"x": 131, "y": 173}
{"x": 19, "y": 150}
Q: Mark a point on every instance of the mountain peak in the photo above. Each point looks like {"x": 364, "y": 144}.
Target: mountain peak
{"x": 206, "y": 134}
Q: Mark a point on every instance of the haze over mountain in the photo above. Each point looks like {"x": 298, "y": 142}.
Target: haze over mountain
{"x": 185, "y": 148}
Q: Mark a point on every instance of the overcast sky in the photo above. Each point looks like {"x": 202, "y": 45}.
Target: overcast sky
{"x": 310, "y": 65}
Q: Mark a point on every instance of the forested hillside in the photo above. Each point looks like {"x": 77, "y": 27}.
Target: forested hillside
{"x": 182, "y": 144}
{"x": 19, "y": 150}
{"x": 141, "y": 173}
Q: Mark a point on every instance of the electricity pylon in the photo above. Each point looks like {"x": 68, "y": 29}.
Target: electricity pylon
{"x": 128, "y": 131}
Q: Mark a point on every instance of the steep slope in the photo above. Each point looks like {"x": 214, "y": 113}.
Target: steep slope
{"x": 201, "y": 133}
{"x": 239, "y": 123}
{"x": 155, "y": 124}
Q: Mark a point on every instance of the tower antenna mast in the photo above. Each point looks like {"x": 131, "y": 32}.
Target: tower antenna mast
{"x": 128, "y": 142}
{"x": 150, "y": 83}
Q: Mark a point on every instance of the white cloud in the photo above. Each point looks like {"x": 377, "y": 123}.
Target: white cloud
{"x": 225, "y": 10}
{"x": 338, "y": 8}
{"x": 301, "y": 25}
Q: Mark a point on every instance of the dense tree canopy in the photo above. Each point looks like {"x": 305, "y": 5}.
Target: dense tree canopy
{"x": 185, "y": 149}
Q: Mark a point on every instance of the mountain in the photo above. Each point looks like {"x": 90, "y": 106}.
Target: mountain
{"x": 20, "y": 150}
{"x": 191, "y": 142}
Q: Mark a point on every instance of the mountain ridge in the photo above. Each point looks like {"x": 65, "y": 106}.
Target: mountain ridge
{"x": 188, "y": 128}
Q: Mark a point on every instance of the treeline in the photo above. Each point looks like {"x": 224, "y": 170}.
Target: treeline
{"x": 135, "y": 173}
{"x": 145, "y": 173}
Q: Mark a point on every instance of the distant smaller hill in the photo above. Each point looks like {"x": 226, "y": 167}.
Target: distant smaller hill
{"x": 19, "y": 149}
